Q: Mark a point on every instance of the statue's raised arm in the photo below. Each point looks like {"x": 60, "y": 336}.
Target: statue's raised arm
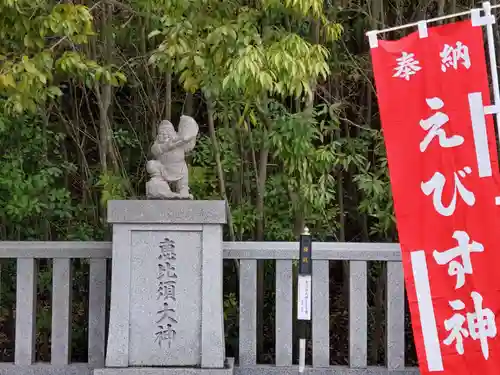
{"x": 188, "y": 131}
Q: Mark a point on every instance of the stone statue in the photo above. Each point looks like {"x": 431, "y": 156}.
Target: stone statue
{"x": 169, "y": 165}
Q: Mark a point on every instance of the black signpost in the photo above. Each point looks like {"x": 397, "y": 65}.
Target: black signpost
{"x": 304, "y": 294}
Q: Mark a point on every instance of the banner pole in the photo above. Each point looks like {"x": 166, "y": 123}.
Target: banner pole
{"x": 493, "y": 60}
{"x": 304, "y": 294}
{"x": 431, "y": 20}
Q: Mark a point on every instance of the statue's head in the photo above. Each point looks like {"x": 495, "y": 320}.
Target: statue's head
{"x": 165, "y": 131}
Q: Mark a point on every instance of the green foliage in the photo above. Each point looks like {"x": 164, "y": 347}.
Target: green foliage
{"x": 31, "y": 36}
{"x": 112, "y": 188}
{"x": 30, "y": 169}
{"x": 296, "y": 141}
{"x": 373, "y": 182}
{"x": 35, "y": 200}
{"x": 286, "y": 66}
{"x": 223, "y": 47}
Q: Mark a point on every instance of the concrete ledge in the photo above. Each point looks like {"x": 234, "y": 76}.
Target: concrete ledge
{"x": 332, "y": 370}
{"x": 228, "y": 370}
{"x": 45, "y": 369}
{"x": 166, "y": 212}
{"x": 85, "y": 369}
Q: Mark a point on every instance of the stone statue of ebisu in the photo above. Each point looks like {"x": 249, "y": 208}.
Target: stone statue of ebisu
{"x": 169, "y": 164}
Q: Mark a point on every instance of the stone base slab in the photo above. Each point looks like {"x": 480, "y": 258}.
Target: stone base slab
{"x": 227, "y": 370}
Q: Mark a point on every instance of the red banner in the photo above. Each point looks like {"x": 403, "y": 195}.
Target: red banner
{"x": 436, "y": 118}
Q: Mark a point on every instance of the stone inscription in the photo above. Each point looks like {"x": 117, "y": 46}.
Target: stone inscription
{"x": 166, "y": 319}
{"x": 165, "y": 299}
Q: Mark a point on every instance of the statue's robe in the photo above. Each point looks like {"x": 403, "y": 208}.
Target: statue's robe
{"x": 174, "y": 166}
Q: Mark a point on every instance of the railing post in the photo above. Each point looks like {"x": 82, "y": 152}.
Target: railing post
{"x": 248, "y": 313}
{"x": 284, "y": 315}
{"x": 395, "y": 300}
{"x": 97, "y": 312}
{"x": 358, "y": 312}
{"x": 25, "y": 311}
{"x": 321, "y": 313}
{"x": 61, "y": 312}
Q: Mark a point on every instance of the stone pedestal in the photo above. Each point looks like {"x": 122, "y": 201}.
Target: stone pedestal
{"x": 166, "y": 294}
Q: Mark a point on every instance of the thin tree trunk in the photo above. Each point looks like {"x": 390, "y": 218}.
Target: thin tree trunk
{"x": 261, "y": 178}
{"x": 261, "y": 187}
{"x": 441, "y": 5}
{"x": 453, "y": 6}
{"x": 220, "y": 171}
{"x": 188, "y": 104}
{"x": 104, "y": 97}
{"x": 168, "y": 96}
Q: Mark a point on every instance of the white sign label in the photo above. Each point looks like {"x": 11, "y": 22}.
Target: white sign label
{"x": 304, "y": 297}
